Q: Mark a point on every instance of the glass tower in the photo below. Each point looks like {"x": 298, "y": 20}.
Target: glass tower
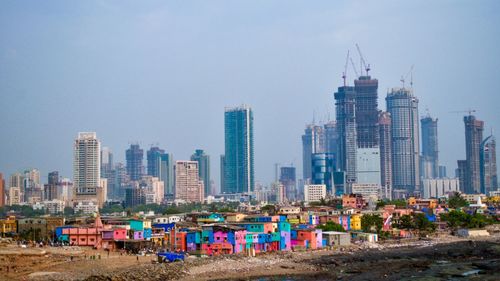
{"x": 239, "y": 156}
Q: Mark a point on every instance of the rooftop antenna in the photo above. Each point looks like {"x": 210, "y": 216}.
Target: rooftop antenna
{"x": 367, "y": 66}
{"x": 344, "y": 74}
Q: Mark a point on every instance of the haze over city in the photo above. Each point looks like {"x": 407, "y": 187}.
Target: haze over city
{"x": 163, "y": 72}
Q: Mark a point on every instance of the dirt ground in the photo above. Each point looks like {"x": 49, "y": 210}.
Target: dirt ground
{"x": 438, "y": 259}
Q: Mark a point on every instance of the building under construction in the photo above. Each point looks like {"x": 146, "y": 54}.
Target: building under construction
{"x": 366, "y": 111}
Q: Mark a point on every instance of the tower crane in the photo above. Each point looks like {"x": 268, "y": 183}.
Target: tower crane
{"x": 469, "y": 111}
{"x": 344, "y": 74}
{"x": 363, "y": 62}
{"x": 403, "y": 78}
{"x": 354, "y": 68}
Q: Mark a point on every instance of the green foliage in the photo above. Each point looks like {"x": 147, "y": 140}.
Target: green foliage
{"x": 372, "y": 223}
{"x": 68, "y": 211}
{"x": 456, "y": 201}
{"x": 331, "y": 226}
{"x": 23, "y": 210}
{"x": 397, "y": 202}
{"x": 115, "y": 208}
{"x": 456, "y": 219}
{"x": 423, "y": 224}
{"x": 271, "y": 209}
{"x": 417, "y": 221}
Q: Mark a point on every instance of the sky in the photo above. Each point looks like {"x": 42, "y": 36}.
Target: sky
{"x": 162, "y": 72}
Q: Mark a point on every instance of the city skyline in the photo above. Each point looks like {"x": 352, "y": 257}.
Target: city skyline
{"x": 304, "y": 94}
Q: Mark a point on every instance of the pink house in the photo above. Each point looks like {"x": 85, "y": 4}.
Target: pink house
{"x": 239, "y": 241}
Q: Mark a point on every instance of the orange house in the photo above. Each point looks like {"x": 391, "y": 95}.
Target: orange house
{"x": 309, "y": 235}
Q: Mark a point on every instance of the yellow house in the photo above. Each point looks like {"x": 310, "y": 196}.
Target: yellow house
{"x": 8, "y": 225}
{"x": 356, "y": 221}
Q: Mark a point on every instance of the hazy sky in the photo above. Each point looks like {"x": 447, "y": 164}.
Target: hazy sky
{"x": 161, "y": 72}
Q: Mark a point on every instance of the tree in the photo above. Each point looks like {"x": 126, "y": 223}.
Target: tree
{"x": 405, "y": 222}
{"x": 456, "y": 219}
{"x": 271, "y": 209}
{"x": 457, "y": 201}
{"x": 331, "y": 226}
{"x": 372, "y": 223}
{"x": 422, "y": 223}
{"x": 68, "y": 211}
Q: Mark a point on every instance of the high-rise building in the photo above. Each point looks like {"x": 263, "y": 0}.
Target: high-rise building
{"x": 331, "y": 137}
{"x": 108, "y": 172}
{"x": 203, "y": 168}
{"x": 368, "y": 165}
{"x": 289, "y": 180}
{"x": 188, "y": 185}
{"x": 323, "y": 167}
{"x": 442, "y": 172}
{"x": 51, "y": 188}
{"x": 135, "y": 167}
{"x": 488, "y": 165}
{"x": 313, "y": 141}
{"x": 473, "y": 138}
{"x": 32, "y": 188}
{"x": 366, "y": 111}
{"x": 314, "y": 192}
{"x": 385, "y": 140}
{"x": 345, "y": 102}
{"x": 239, "y": 150}
{"x": 222, "y": 172}
{"x": 2, "y": 190}
{"x": 153, "y": 158}
{"x": 167, "y": 174}
{"x": 461, "y": 174}
{"x": 403, "y": 107}
{"x": 436, "y": 188}
{"x": 87, "y": 169}
{"x": 430, "y": 151}
{"x": 121, "y": 181}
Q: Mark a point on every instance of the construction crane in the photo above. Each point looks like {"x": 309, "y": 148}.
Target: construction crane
{"x": 344, "y": 74}
{"x": 363, "y": 62}
{"x": 354, "y": 68}
{"x": 469, "y": 111}
{"x": 403, "y": 78}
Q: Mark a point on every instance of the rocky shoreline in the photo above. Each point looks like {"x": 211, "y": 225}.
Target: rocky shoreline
{"x": 436, "y": 259}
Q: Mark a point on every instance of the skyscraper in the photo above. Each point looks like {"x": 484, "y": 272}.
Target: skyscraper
{"x": 289, "y": 180}
{"x": 134, "y": 156}
{"x": 385, "y": 140}
{"x": 87, "y": 169}
{"x": 366, "y": 111}
{"x": 222, "y": 172}
{"x": 430, "y": 151}
{"x": 461, "y": 174}
{"x": 403, "y": 107}
{"x": 50, "y": 192}
{"x": 32, "y": 188}
{"x": 239, "y": 155}
{"x": 473, "y": 139}
{"x": 313, "y": 141}
{"x": 323, "y": 167}
{"x": 108, "y": 172}
{"x": 167, "y": 174}
{"x": 488, "y": 165}
{"x": 2, "y": 190}
{"x": 153, "y": 159}
{"x": 331, "y": 137}
{"x": 203, "y": 168}
{"x": 345, "y": 102}
{"x": 188, "y": 185}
